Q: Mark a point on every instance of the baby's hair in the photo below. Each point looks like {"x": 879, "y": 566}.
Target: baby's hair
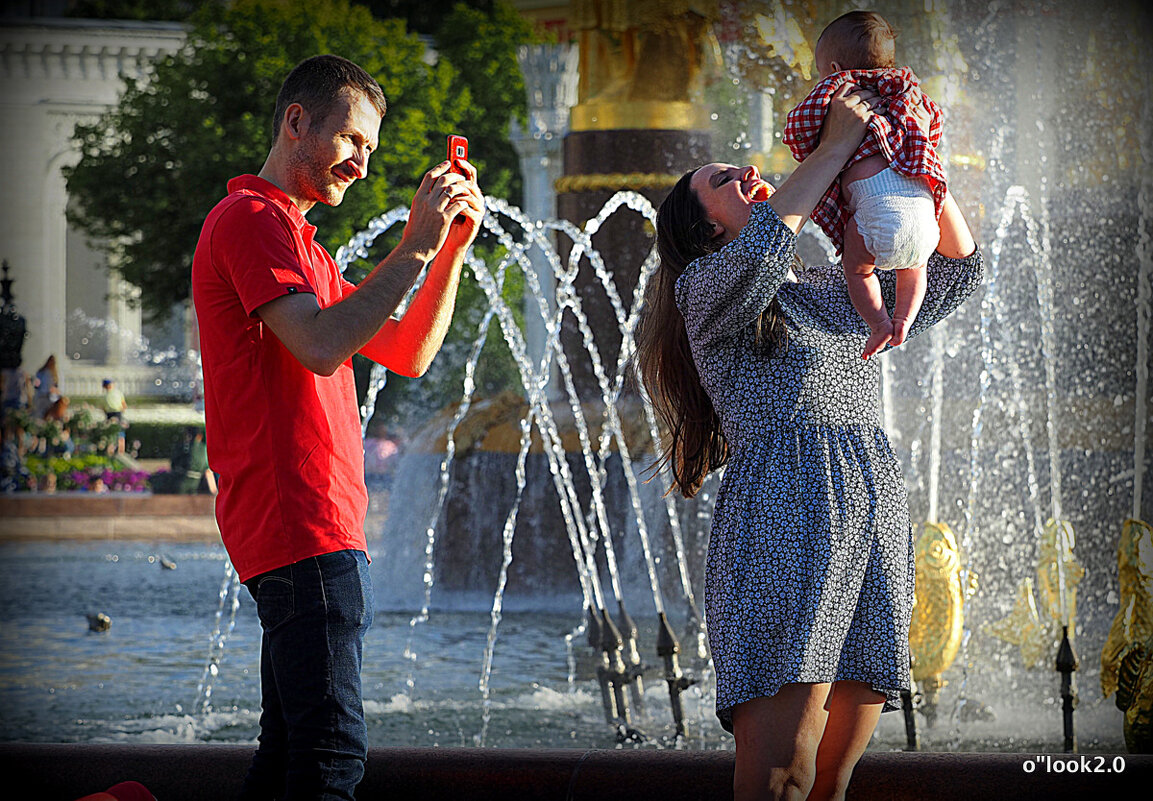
{"x": 861, "y": 40}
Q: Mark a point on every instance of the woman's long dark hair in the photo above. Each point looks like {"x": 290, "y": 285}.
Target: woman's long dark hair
{"x": 694, "y": 444}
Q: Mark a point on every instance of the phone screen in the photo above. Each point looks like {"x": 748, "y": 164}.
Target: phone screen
{"x": 457, "y": 152}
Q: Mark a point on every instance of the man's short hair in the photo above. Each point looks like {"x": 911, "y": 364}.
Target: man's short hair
{"x": 863, "y": 40}
{"x": 317, "y": 82}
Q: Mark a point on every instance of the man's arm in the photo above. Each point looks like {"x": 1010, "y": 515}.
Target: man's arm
{"x": 323, "y": 339}
{"x": 407, "y": 346}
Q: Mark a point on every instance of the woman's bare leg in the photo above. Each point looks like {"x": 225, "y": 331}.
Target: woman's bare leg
{"x": 777, "y": 740}
{"x": 854, "y": 708}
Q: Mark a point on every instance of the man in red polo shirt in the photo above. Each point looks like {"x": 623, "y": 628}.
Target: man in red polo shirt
{"x": 278, "y": 327}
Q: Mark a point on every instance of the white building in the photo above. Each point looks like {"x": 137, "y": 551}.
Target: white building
{"x": 54, "y": 73}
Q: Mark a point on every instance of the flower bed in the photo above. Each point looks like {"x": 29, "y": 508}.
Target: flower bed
{"x": 89, "y": 472}
{"x": 69, "y": 455}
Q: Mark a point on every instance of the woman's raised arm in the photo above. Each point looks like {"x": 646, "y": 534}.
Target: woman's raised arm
{"x": 956, "y": 238}
{"x": 846, "y": 122}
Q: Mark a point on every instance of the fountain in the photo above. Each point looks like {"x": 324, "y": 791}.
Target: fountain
{"x": 536, "y": 499}
{"x": 1004, "y": 425}
{"x": 520, "y": 526}
{"x": 945, "y": 580}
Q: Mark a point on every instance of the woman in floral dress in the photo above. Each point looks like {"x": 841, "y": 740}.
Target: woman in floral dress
{"x": 753, "y": 362}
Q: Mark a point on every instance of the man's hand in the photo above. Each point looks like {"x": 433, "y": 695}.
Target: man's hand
{"x": 441, "y": 197}
{"x": 409, "y": 344}
{"x": 466, "y": 225}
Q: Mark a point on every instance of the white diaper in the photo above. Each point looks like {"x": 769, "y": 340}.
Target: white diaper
{"x": 896, "y": 217}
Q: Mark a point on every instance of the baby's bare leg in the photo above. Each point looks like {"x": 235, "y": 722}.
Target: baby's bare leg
{"x": 910, "y": 295}
{"x": 865, "y": 290}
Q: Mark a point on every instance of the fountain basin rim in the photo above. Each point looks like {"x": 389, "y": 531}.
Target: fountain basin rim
{"x": 67, "y": 771}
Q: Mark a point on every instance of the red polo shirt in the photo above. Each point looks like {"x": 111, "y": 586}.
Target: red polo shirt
{"x": 286, "y": 441}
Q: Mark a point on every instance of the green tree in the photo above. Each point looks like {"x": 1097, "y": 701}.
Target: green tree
{"x": 480, "y": 43}
{"x": 479, "y": 39}
{"x": 135, "y": 9}
{"x": 152, "y": 167}
{"x": 423, "y": 16}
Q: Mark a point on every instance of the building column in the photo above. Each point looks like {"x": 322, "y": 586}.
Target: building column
{"x": 550, "y": 77}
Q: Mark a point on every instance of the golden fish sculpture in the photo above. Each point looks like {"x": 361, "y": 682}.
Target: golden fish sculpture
{"x": 1023, "y": 627}
{"x": 1057, "y": 543}
{"x": 1035, "y": 623}
{"x": 937, "y": 625}
{"x": 1127, "y": 658}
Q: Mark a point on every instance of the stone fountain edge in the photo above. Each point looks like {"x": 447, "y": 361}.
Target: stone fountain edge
{"x": 210, "y": 771}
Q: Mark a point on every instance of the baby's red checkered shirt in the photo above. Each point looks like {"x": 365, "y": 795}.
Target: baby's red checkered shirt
{"x": 893, "y": 133}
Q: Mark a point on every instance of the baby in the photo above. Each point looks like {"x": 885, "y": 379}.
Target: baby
{"x": 882, "y": 212}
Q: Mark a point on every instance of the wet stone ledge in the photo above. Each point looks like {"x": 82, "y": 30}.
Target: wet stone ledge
{"x": 108, "y": 515}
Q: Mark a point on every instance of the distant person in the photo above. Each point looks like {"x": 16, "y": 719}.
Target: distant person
{"x": 14, "y": 475}
{"x": 278, "y": 328}
{"x": 193, "y": 464}
{"x": 180, "y": 458}
{"x": 54, "y": 438}
{"x": 15, "y": 389}
{"x": 114, "y": 405}
{"x": 45, "y": 387}
{"x": 62, "y": 444}
{"x": 113, "y": 401}
{"x": 58, "y": 410}
{"x": 883, "y": 209}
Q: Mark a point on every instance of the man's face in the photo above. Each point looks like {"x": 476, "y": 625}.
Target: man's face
{"x": 334, "y": 152}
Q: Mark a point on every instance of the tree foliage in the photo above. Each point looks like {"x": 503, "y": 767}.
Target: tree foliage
{"x": 481, "y": 44}
{"x": 134, "y": 9}
{"x": 152, "y": 167}
{"x": 423, "y": 16}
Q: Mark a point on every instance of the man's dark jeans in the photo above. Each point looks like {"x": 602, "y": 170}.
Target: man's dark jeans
{"x": 313, "y": 738}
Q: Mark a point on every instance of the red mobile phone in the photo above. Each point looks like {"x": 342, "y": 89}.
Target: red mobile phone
{"x": 457, "y": 152}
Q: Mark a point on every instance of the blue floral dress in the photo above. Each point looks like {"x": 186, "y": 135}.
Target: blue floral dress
{"x": 809, "y": 575}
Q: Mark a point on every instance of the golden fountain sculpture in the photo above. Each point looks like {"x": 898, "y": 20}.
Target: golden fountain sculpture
{"x": 1127, "y": 658}
{"x": 644, "y": 63}
{"x": 938, "y": 613}
{"x": 1036, "y": 628}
